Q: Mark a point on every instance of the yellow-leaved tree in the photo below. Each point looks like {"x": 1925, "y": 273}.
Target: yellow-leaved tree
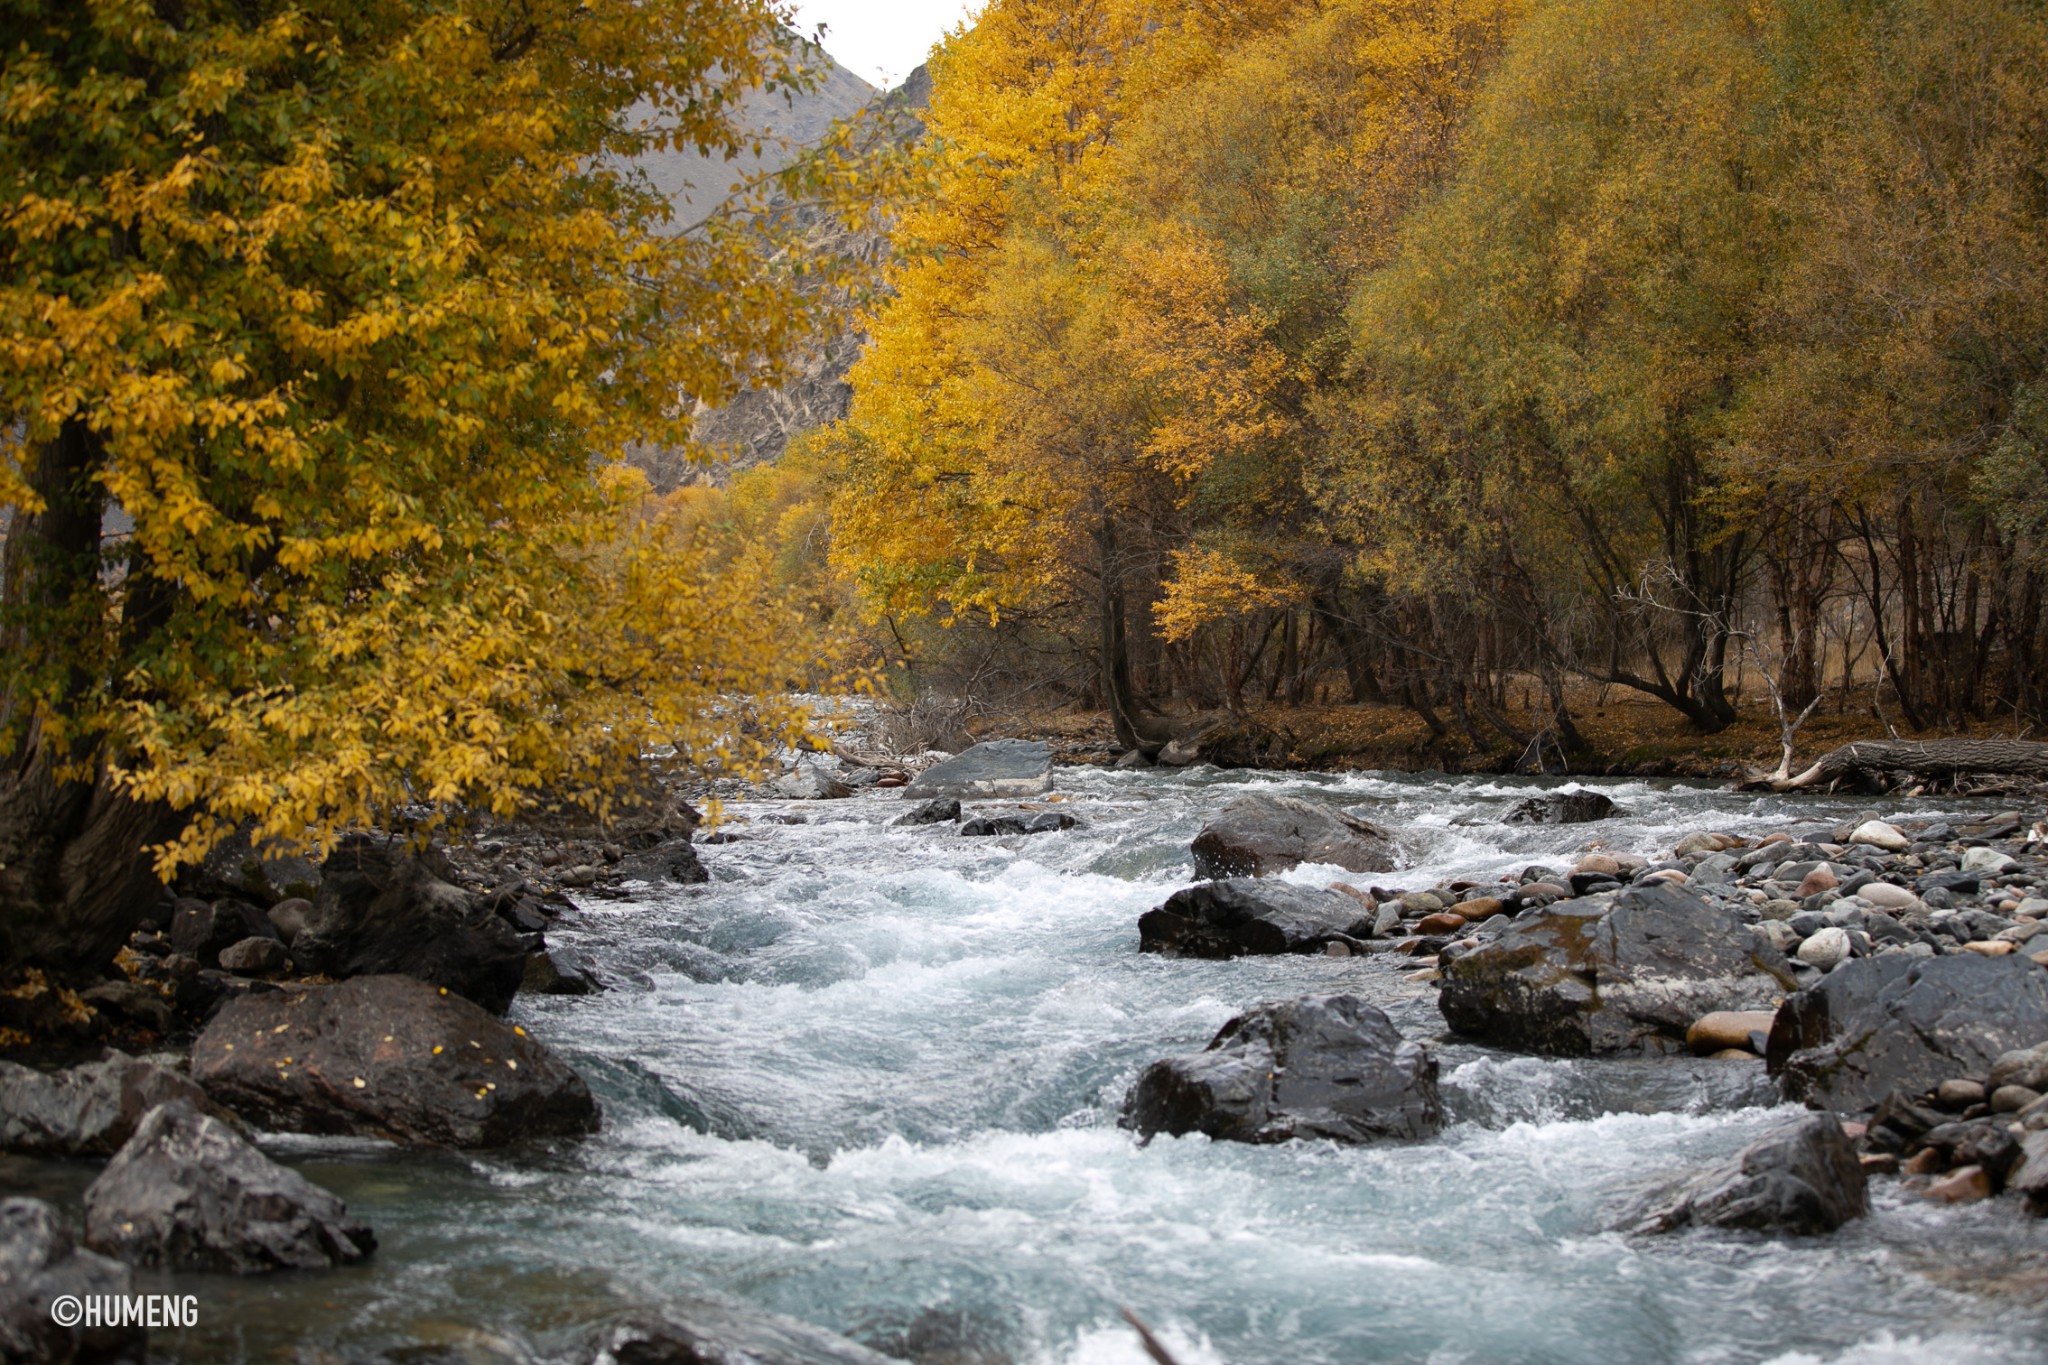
{"x": 319, "y": 328}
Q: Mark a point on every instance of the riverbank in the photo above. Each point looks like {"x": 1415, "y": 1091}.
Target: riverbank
{"x": 1627, "y": 735}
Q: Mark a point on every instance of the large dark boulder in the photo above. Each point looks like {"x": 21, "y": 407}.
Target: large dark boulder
{"x": 204, "y": 929}
{"x": 1803, "y": 1178}
{"x": 1006, "y": 768}
{"x": 382, "y": 911}
{"x": 190, "y": 1193}
{"x": 1243, "y": 917}
{"x": 1255, "y": 836}
{"x": 1329, "y": 1066}
{"x": 1593, "y": 976}
{"x": 90, "y": 1110}
{"x": 715, "y": 1334}
{"x": 39, "y": 1265}
{"x": 1880, "y": 1026}
{"x": 1562, "y": 808}
{"x": 391, "y": 1057}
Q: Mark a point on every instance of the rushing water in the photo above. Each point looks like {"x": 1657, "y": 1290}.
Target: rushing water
{"x": 869, "y": 1078}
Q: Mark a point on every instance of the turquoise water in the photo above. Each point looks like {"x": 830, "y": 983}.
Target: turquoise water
{"x": 869, "y": 1078}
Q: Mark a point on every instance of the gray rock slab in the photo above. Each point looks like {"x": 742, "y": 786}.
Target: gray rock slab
{"x": 993, "y": 768}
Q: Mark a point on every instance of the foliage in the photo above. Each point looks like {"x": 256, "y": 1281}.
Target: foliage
{"x": 346, "y": 306}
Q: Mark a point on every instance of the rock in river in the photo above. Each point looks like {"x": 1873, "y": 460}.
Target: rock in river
{"x": 994, "y": 768}
{"x": 190, "y": 1193}
{"x": 89, "y": 1110}
{"x": 1255, "y": 836}
{"x": 1562, "y": 808}
{"x": 1328, "y": 1066}
{"x": 1803, "y": 1178}
{"x": 1590, "y": 976}
{"x": 1242, "y": 916}
{"x": 714, "y": 1334}
{"x": 39, "y": 1265}
{"x": 1895, "y": 1024}
{"x": 381, "y": 911}
{"x": 387, "y": 1056}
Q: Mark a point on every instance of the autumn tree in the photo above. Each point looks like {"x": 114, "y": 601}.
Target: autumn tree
{"x": 318, "y": 327}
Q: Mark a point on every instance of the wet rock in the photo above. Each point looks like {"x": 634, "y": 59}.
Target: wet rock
{"x": 2010, "y": 1099}
{"x": 1562, "y": 808}
{"x": 714, "y": 1334}
{"x": 1704, "y": 842}
{"x": 187, "y": 1192}
{"x": 387, "y": 1056}
{"x": 89, "y": 1110}
{"x": 1963, "y": 1185}
{"x": 382, "y": 912}
{"x": 996, "y": 768}
{"x": 133, "y": 1001}
{"x": 1984, "y": 1143}
{"x": 809, "y": 783}
{"x": 1585, "y": 977}
{"x": 39, "y": 1264}
{"x": 555, "y": 970}
{"x": 203, "y": 929}
{"x": 1896, "y": 1024}
{"x": 254, "y": 957}
{"x": 1242, "y": 916}
{"x": 1746, "y": 1029}
{"x": 2029, "y": 1175}
{"x": 1256, "y": 836}
{"x": 1802, "y": 1179}
{"x": 2027, "y": 1066}
{"x": 1318, "y": 1067}
{"x": 937, "y": 811}
{"x": 1959, "y": 1094}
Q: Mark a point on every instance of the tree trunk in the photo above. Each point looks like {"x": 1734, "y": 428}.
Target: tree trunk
{"x": 74, "y": 880}
{"x": 1931, "y": 758}
{"x": 1118, "y": 695}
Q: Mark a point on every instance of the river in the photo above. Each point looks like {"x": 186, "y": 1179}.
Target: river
{"x": 869, "y": 1078}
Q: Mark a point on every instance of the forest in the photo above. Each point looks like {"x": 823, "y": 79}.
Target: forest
{"x": 1456, "y": 355}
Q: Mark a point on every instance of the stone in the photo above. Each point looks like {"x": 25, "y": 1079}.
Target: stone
{"x": 1886, "y": 896}
{"x": 1990, "y": 947}
{"x": 808, "y": 782}
{"x": 1730, "y": 1028}
{"x": 1974, "y": 1142}
{"x": 1959, "y": 1094}
{"x": 1878, "y": 834}
{"x": 984, "y": 825}
{"x": 937, "y": 811}
{"x": 1819, "y": 880}
{"x": 134, "y": 1001}
{"x": 2028, "y": 1177}
{"x": 1562, "y": 808}
{"x": 389, "y": 1057}
{"x": 1599, "y": 863}
{"x": 201, "y": 929}
{"x": 1896, "y": 1024}
{"x": 707, "y": 1333}
{"x": 555, "y": 970}
{"x": 90, "y": 1110}
{"x": 1803, "y": 1179}
{"x": 1703, "y": 841}
{"x": 254, "y": 957}
{"x": 39, "y": 1264}
{"x": 1257, "y": 836}
{"x": 2010, "y": 1099}
{"x": 1242, "y": 916}
{"x": 1963, "y": 1185}
{"x": 1580, "y": 977}
{"x": 2027, "y": 1066}
{"x": 996, "y": 768}
{"x": 1988, "y": 861}
{"x": 1481, "y": 907}
{"x": 188, "y": 1192}
{"x": 1825, "y": 948}
{"x": 1319, "y": 1067}
{"x": 288, "y": 917}
{"x": 382, "y": 912}
{"x": 1442, "y": 922}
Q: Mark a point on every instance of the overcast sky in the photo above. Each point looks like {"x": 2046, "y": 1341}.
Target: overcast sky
{"x": 880, "y": 40}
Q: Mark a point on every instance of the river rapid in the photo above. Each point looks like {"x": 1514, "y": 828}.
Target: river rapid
{"x": 869, "y": 1078}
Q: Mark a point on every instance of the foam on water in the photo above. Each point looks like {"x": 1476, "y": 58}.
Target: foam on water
{"x": 869, "y": 1078}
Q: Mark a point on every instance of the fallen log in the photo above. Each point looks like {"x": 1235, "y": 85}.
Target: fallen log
{"x": 1924, "y": 758}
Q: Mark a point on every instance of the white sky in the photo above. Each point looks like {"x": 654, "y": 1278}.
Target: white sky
{"x": 880, "y": 40}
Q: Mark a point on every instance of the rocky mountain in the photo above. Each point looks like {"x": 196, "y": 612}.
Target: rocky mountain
{"x": 756, "y": 427}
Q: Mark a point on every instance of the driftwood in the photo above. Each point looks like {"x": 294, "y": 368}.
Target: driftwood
{"x": 1929, "y": 758}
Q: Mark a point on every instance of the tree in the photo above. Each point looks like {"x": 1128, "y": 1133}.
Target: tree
{"x": 318, "y": 327}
